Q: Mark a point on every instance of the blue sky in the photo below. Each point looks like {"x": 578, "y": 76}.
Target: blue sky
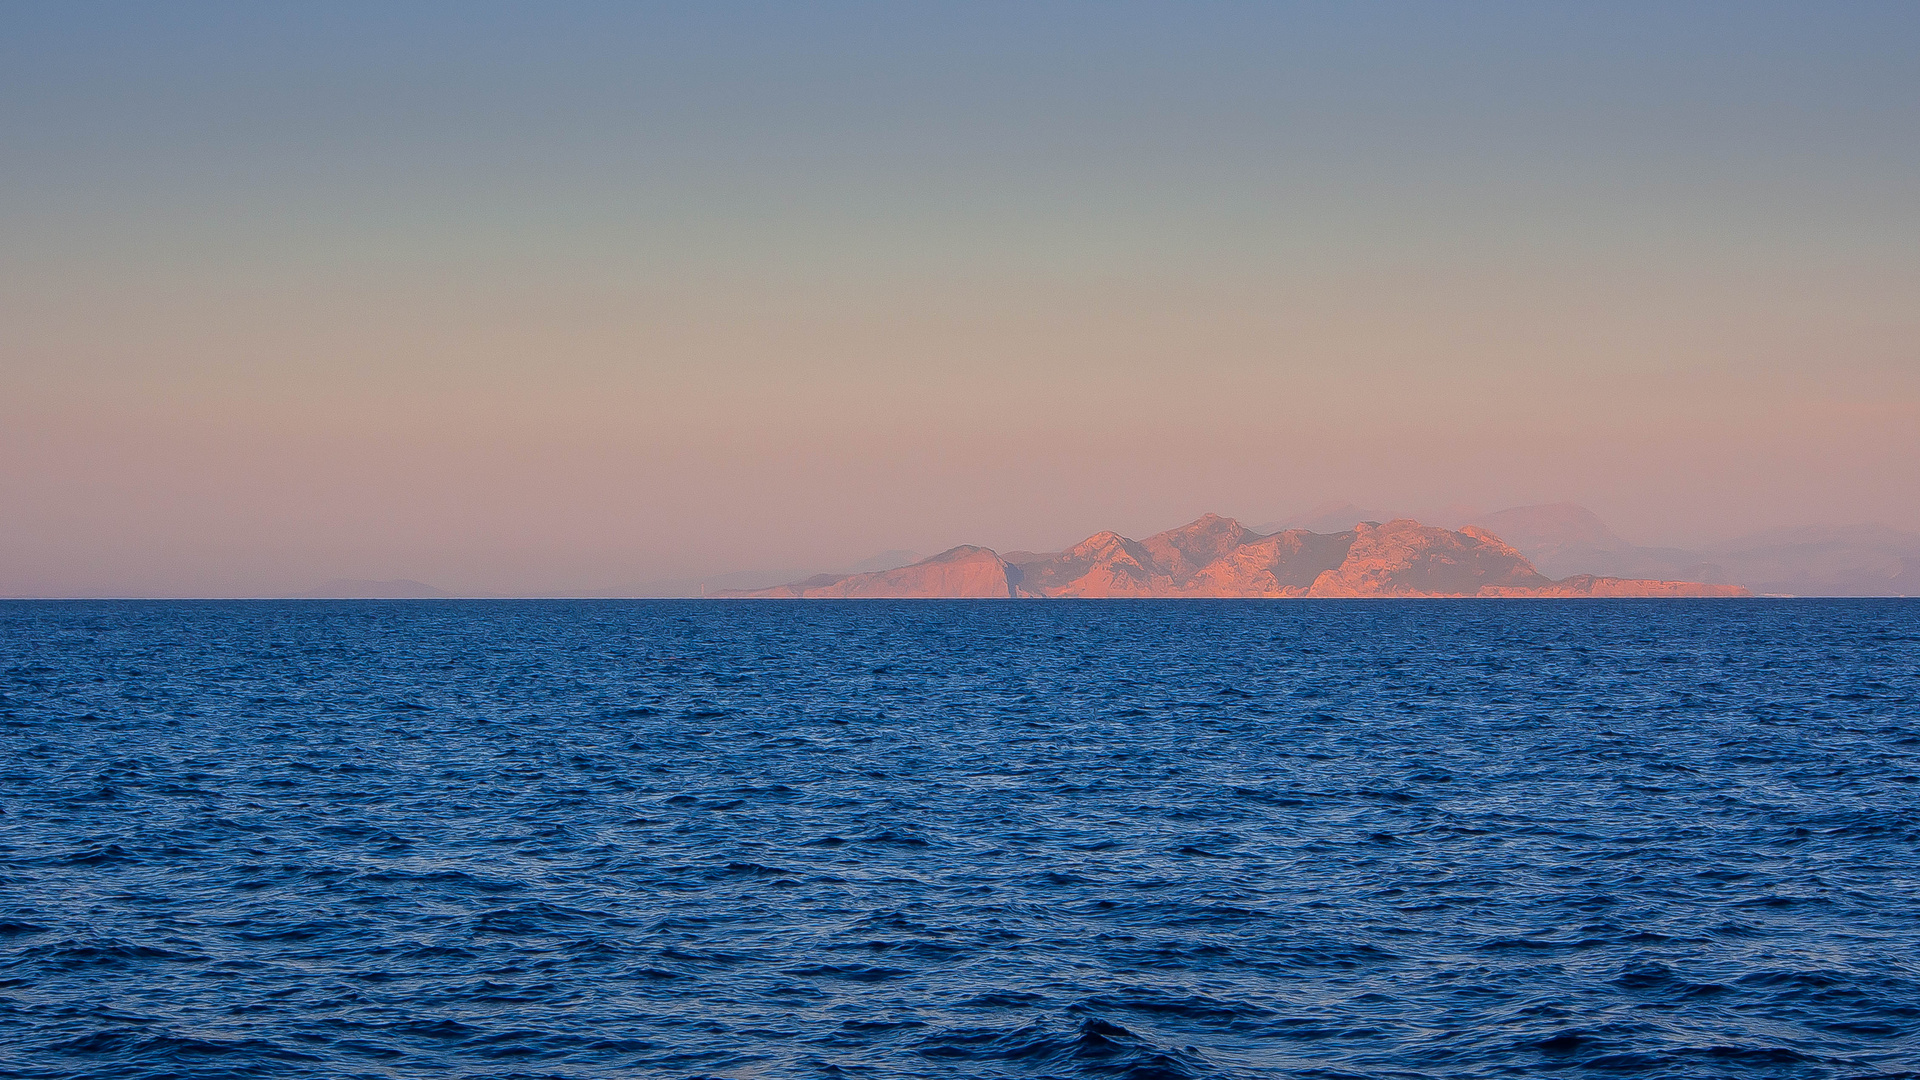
{"x": 561, "y": 297}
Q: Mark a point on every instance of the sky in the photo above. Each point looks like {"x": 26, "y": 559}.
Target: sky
{"x": 562, "y": 299}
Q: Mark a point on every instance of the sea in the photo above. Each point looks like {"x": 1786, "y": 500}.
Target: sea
{"x": 1138, "y": 839}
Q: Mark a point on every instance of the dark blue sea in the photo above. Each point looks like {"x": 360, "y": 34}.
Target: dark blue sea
{"x": 952, "y": 839}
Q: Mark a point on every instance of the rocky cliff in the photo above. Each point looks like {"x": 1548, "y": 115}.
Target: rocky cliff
{"x": 1219, "y": 557}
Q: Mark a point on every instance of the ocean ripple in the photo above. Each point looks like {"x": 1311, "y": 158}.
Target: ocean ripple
{"x": 928, "y": 839}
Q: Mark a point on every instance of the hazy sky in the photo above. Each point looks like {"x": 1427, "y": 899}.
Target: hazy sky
{"x": 555, "y": 298}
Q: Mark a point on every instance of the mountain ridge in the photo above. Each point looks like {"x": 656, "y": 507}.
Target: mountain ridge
{"x": 1215, "y": 556}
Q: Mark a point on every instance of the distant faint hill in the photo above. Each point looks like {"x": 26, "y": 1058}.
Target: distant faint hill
{"x": 886, "y": 560}
{"x": 1562, "y": 538}
{"x": 745, "y": 580}
{"x": 1846, "y": 560}
{"x": 1328, "y": 517}
{"x": 1219, "y": 557}
{"x": 1553, "y": 525}
{"x": 361, "y": 589}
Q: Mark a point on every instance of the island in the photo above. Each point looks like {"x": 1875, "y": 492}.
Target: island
{"x": 1219, "y": 557}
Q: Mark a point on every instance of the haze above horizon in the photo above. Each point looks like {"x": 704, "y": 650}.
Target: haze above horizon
{"x": 517, "y": 300}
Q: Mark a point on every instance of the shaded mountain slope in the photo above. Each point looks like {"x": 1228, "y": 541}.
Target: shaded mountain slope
{"x": 1284, "y": 564}
{"x": 1104, "y": 564}
{"x": 1406, "y": 558}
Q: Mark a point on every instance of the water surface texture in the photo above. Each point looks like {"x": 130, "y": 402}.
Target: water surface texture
{"x": 951, "y": 839}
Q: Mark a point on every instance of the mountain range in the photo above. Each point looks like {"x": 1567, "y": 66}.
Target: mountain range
{"x": 1568, "y": 551}
{"x": 1219, "y": 557}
